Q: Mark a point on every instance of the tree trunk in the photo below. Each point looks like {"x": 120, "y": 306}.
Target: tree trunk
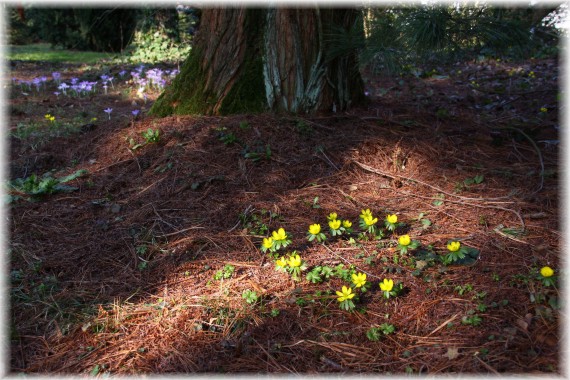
{"x": 253, "y": 60}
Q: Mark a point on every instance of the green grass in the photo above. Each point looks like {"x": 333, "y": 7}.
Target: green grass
{"x": 43, "y": 52}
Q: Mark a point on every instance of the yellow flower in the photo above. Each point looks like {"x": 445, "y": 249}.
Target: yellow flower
{"x": 404, "y": 240}
{"x": 314, "y": 229}
{"x": 359, "y": 279}
{"x": 334, "y": 224}
{"x": 294, "y": 261}
{"x": 387, "y": 285}
{"x": 543, "y": 109}
{"x": 268, "y": 242}
{"x": 369, "y": 220}
{"x": 346, "y": 223}
{"x": 52, "y": 118}
{"x": 392, "y": 218}
{"x": 546, "y": 271}
{"x": 279, "y": 234}
{"x": 281, "y": 262}
{"x": 332, "y": 216}
{"x": 454, "y": 246}
{"x": 47, "y": 116}
{"x": 365, "y": 213}
{"x": 345, "y": 294}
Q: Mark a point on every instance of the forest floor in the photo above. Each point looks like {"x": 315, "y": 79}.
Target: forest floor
{"x": 142, "y": 255}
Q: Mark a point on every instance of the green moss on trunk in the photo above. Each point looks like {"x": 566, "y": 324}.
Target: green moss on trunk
{"x": 185, "y": 96}
{"x": 188, "y": 95}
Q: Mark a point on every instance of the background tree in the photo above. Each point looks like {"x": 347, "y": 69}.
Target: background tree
{"x": 251, "y": 60}
{"x": 96, "y": 29}
{"x": 396, "y": 36}
{"x": 162, "y": 34}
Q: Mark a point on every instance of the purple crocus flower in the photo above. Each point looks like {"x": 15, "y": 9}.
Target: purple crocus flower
{"x": 37, "y": 82}
{"x": 108, "y": 112}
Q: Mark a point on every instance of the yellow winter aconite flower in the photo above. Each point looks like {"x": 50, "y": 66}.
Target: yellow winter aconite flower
{"x": 279, "y": 234}
{"x": 345, "y": 294}
{"x": 282, "y": 262}
{"x": 358, "y": 279}
{"x": 404, "y": 240}
{"x": 332, "y": 216}
{"x": 346, "y": 223}
{"x": 365, "y": 213}
{"x": 268, "y": 242}
{"x": 294, "y": 261}
{"x": 543, "y": 109}
{"x": 47, "y": 116}
{"x": 370, "y": 220}
{"x": 334, "y": 224}
{"x": 314, "y": 229}
{"x": 454, "y": 246}
{"x": 546, "y": 271}
{"x": 392, "y": 218}
{"x": 387, "y": 285}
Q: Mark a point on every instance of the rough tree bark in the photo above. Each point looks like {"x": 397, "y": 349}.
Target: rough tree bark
{"x": 252, "y": 60}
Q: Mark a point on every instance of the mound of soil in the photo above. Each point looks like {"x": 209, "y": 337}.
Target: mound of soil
{"x": 123, "y": 272}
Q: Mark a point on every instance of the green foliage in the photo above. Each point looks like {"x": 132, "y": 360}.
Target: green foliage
{"x": 257, "y": 153}
{"x": 344, "y": 273}
{"x": 463, "y": 289}
{"x": 315, "y": 203}
{"x": 151, "y": 136}
{"x": 375, "y": 333}
{"x": 256, "y": 222}
{"x": 319, "y": 274}
{"x": 471, "y": 319}
{"x": 227, "y": 138}
{"x": 226, "y": 272}
{"x": 156, "y": 46}
{"x": 463, "y": 256}
{"x": 479, "y": 178}
{"x": 304, "y": 129}
{"x": 44, "y": 52}
{"x": 37, "y": 187}
{"x": 314, "y": 276}
{"x": 404, "y": 34}
{"x": 250, "y": 296}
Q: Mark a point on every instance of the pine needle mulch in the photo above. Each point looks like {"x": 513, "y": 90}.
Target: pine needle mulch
{"x": 120, "y": 275}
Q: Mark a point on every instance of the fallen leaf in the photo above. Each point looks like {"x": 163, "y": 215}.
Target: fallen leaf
{"x": 420, "y": 264}
{"x": 523, "y": 325}
{"x": 452, "y": 352}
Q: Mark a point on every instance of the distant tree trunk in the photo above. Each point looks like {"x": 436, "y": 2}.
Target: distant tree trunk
{"x": 252, "y": 60}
